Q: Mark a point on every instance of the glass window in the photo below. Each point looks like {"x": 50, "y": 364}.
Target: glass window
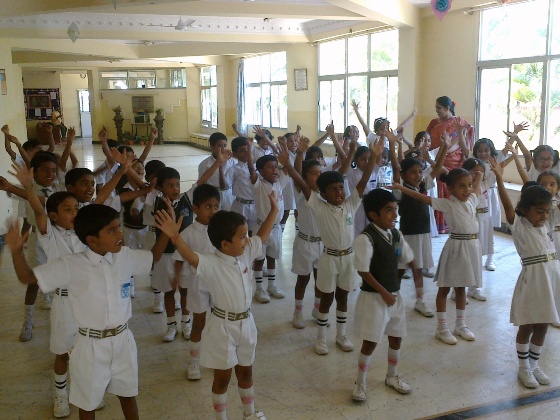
{"x": 494, "y": 99}
{"x": 357, "y": 54}
{"x": 332, "y": 57}
{"x": 555, "y": 41}
{"x": 143, "y": 79}
{"x": 385, "y": 50}
{"x": 554, "y": 105}
{"x": 209, "y": 96}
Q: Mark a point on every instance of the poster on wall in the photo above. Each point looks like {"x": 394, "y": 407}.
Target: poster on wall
{"x": 3, "y": 85}
{"x": 40, "y": 103}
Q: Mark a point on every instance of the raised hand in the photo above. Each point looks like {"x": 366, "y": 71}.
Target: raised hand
{"x": 445, "y": 138}
{"x": 458, "y": 125}
{"x": 224, "y": 155}
{"x": 102, "y": 135}
{"x": 13, "y": 237}
{"x": 517, "y": 128}
{"x": 330, "y": 130}
{"x": 154, "y": 133}
{"x": 512, "y": 135}
{"x": 496, "y": 167}
{"x": 118, "y": 156}
{"x": 283, "y": 157}
{"x": 5, "y": 129}
{"x": 355, "y": 105}
{"x": 376, "y": 148}
{"x": 167, "y": 224}
{"x": 257, "y": 129}
{"x": 4, "y": 184}
{"x": 303, "y": 144}
{"x": 24, "y": 175}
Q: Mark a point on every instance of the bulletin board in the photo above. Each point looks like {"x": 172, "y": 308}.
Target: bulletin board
{"x": 40, "y": 103}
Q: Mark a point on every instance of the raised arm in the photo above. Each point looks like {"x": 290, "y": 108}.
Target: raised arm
{"x": 224, "y": 156}
{"x": 25, "y": 177}
{"x": 5, "y": 185}
{"x": 252, "y": 173}
{"x": 349, "y": 158}
{"x": 463, "y": 133}
{"x": 522, "y": 172}
{"x": 407, "y": 120}
{"x": 148, "y": 147}
{"x": 502, "y": 192}
{"x": 437, "y": 167}
{"x": 376, "y": 149}
{"x": 355, "y": 107}
{"x": 524, "y": 150}
{"x": 477, "y": 183}
{"x": 236, "y": 130}
{"x": 70, "y": 136}
{"x": 303, "y": 145}
{"x": 261, "y": 133}
{"x": 426, "y": 199}
{"x": 15, "y": 242}
{"x": 517, "y": 128}
{"x": 393, "y": 155}
{"x": 8, "y": 143}
{"x": 268, "y": 224}
{"x": 102, "y": 136}
{"x": 329, "y": 132}
{"x": 107, "y": 189}
{"x": 284, "y": 160}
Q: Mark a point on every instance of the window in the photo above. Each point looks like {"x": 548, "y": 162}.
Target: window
{"x": 143, "y": 79}
{"x": 209, "y": 96}
{"x": 519, "y": 72}
{"x": 266, "y": 90}
{"x": 363, "y": 68}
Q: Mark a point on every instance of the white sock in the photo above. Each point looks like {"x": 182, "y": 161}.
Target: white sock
{"x": 194, "y": 352}
{"x": 185, "y": 318}
{"x": 171, "y": 321}
{"x": 247, "y": 400}
{"x": 523, "y": 355}
{"x": 322, "y": 321}
{"x": 299, "y": 305}
{"x": 28, "y": 315}
{"x": 420, "y": 294}
{"x": 392, "y": 361}
{"x": 271, "y": 277}
{"x": 316, "y": 303}
{"x": 258, "y": 276}
{"x": 60, "y": 383}
{"x": 460, "y": 321}
{"x": 441, "y": 320}
{"x": 219, "y": 401}
{"x": 534, "y": 354}
{"x": 363, "y": 366}
{"x": 340, "y": 323}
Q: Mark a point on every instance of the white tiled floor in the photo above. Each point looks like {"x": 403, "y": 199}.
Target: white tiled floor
{"x": 291, "y": 381}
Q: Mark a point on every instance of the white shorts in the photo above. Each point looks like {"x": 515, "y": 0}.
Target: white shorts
{"x": 289, "y": 196}
{"x": 99, "y": 365}
{"x": 226, "y": 344}
{"x": 374, "y": 318}
{"x": 135, "y": 238}
{"x": 335, "y": 272}
{"x": 305, "y": 256}
{"x": 63, "y": 326}
{"x": 164, "y": 273}
{"x": 273, "y": 246}
{"x": 226, "y": 199}
{"x": 247, "y": 210}
{"x": 198, "y": 298}
{"x": 421, "y": 246}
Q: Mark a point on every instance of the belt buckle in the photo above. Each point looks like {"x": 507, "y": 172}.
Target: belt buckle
{"x": 109, "y": 333}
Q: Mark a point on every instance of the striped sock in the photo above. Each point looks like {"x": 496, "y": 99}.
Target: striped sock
{"x": 460, "y": 320}
{"x": 171, "y": 321}
{"x": 534, "y": 354}
{"x": 60, "y": 383}
{"x": 271, "y": 277}
{"x": 392, "y": 361}
{"x": 523, "y": 355}
{"x": 363, "y": 366}
{"x": 441, "y": 320}
{"x": 247, "y": 400}
{"x": 258, "y": 276}
{"x": 340, "y": 323}
{"x": 322, "y": 321}
{"x": 219, "y": 401}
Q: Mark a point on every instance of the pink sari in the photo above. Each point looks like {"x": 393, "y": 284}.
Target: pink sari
{"x": 454, "y": 159}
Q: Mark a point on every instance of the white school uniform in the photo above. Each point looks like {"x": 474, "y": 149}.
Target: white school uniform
{"x": 306, "y": 254}
{"x": 262, "y": 189}
{"x": 258, "y": 152}
{"x": 373, "y": 317}
{"x": 58, "y": 242}
{"x": 534, "y": 173}
{"x": 536, "y": 297}
{"x": 337, "y": 233}
{"x": 432, "y": 192}
{"x": 289, "y": 190}
{"x": 493, "y": 197}
{"x": 485, "y": 222}
{"x": 353, "y": 176}
{"x": 553, "y": 225}
{"x": 106, "y": 174}
{"x": 460, "y": 261}
{"x": 239, "y": 177}
{"x": 196, "y": 237}
{"x": 99, "y": 295}
{"x": 225, "y": 343}
{"x": 145, "y": 204}
{"x": 226, "y": 197}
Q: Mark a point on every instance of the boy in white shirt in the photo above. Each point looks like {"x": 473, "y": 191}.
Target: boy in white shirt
{"x": 230, "y": 337}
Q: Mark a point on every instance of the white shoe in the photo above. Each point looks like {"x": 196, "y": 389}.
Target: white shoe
{"x": 132, "y": 288}
{"x": 344, "y": 343}
{"x": 26, "y": 331}
{"x": 454, "y": 297}
{"x": 321, "y": 347}
{"x": 527, "y": 378}
{"x": 359, "y": 392}
{"x": 476, "y": 294}
{"x": 170, "y": 334}
{"x": 298, "y": 320}
{"x": 186, "y": 328}
{"x": 398, "y": 384}
{"x": 177, "y": 303}
{"x": 427, "y": 272}
{"x": 464, "y": 332}
{"x": 60, "y": 405}
{"x": 157, "y": 307}
{"x": 490, "y": 266}
{"x": 445, "y": 336}
{"x": 275, "y": 292}
{"x": 261, "y": 296}
{"x": 407, "y": 275}
{"x": 421, "y": 307}
{"x": 541, "y": 377}
{"x": 193, "y": 372}
{"x": 257, "y": 415}
{"x": 46, "y": 303}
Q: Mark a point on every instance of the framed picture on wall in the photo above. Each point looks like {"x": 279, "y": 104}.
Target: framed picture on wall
{"x": 3, "y": 85}
{"x": 300, "y": 76}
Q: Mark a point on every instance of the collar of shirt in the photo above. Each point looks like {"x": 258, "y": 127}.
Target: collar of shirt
{"x": 96, "y": 259}
{"x": 63, "y": 231}
{"x": 386, "y": 233}
{"x": 227, "y": 258}
{"x": 199, "y": 226}
{"x": 320, "y": 197}
{"x": 40, "y": 188}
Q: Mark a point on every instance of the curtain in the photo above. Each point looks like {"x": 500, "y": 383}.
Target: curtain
{"x": 241, "y": 122}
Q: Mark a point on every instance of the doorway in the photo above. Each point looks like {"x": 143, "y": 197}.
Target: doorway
{"x": 85, "y": 113}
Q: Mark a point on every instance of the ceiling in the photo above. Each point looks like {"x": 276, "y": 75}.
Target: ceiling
{"x": 139, "y": 31}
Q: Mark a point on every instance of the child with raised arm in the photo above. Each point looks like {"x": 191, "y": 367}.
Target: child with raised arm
{"x": 230, "y": 337}
{"x": 460, "y": 263}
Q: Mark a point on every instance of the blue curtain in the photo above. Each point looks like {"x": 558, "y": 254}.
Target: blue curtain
{"x": 241, "y": 122}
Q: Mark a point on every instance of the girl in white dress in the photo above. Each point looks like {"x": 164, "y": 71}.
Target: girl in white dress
{"x": 461, "y": 252}
{"x": 536, "y": 297}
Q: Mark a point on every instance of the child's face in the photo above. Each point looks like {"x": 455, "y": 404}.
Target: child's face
{"x": 241, "y": 154}
{"x": 413, "y": 176}
{"x": 477, "y": 168}
{"x": 354, "y": 133}
{"x": 427, "y": 140}
{"x": 65, "y": 214}
{"x": 334, "y": 194}
{"x": 483, "y": 152}
{"x": 543, "y": 161}
{"x": 384, "y": 159}
{"x": 109, "y": 239}
{"x": 316, "y": 156}
{"x": 462, "y": 188}
{"x": 263, "y": 144}
{"x": 387, "y": 216}
{"x": 139, "y": 169}
{"x": 218, "y": 147}
{"x": 270, "y": 171}
{"x": 362, "y": 161}
{"x": 311, "y": 176}
{"x": 537, "y": 215}
{"x": 291, "y": 144}
{"x": 238, "y": 243}
{"x": 549, "y": 182}
{"x": 83, "y": 189}
{"x": 383, "y": 127}
{"x": 171, "y": 188}
{"x": 45, "y": 174}
{"x": 206, "y": 210}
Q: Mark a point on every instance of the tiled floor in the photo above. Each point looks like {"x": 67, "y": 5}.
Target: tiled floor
{"x": 291, "y": 381}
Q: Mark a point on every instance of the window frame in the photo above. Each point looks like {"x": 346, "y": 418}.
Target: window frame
{"x": 212, "y": 91}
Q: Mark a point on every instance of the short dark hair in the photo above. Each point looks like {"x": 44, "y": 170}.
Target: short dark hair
{"x": 127, "y": 148}
{"x": 311, "y": 151}
{"x": 42, "y": 157}
{"x": 378, "y": 122}
{"x": 91, "y": 219}
{"x": 470, "y": 163}
{"x": 55, "y": 199}
{"x": 545, "y": 148}
{"x": 216, "y": 137}
{"x": 75, "y": 174}
{"x": 263, "y": 160}
{"x": 408, "y": 163}
{"x": 306, "y": 165}
{"x": 376, "y": 199}
{"x": 205, "y": 192}
{"x": 488, "y": 143}
{"x": 112, "y": 143}
{"x": 153, "y": 166}
{"x": 238, "y": 142}
{"x": 454, "y": 174}
{"x": 166, "y": 173}
{"x": 268, "y": 134}
{"x": 328, "y": 178}
{"x": 223, "y": 225}
{"x": 30, "y": 144}
{"x": 531, "y": 196}
{"x": 419, "y": 136}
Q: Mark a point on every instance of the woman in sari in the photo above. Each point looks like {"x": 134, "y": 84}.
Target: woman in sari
{"x": 461, "y": 134}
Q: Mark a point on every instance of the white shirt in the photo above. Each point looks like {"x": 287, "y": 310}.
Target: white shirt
{"x": 239, "y": 178}
{"x": 215, "y": 178}
{"x": 459, "y": 216}
{"x": 337, "y": 222}
{"x": 363, "y": 250}
{"x": 58, "y": 241}
{"x": 98, "y": 285}
{"x": 258, "y": 152}
{"x": 196, "y": 237}
{"x": 147, "y": 203}
{"x": 41, "y": 192}
{"x": 306, "y": 217}
{"x": 262, "y": 189}
{"x": 229, "y": 279}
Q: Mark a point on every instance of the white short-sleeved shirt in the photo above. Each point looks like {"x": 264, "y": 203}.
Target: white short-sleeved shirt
{"x": 306, "y": 217}
{"x": 58, "y": 241}
{"x": 459, "y": 216}
{"x": 337, "y": 222}
{"x": 196, "y": 237}
{"x": 147, "y": 203}
{"x": 229, "y": 279}
{"x": 41, "y": 192}
{"x": 258, "y": 152}
{"x": 363, "y": 250}
{"x": 262, "y": 189}
{"x": 214, "y": 180}
{"x": 98, "y": 285}
{"x": 239, "y": 178}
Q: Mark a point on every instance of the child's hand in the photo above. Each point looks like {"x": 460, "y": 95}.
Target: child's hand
{"x": 71, "y": 135}
{"x": 234, "y": 126}
{"x": 167, "y": 224}
{"x": 5, "y": 129}
{"x": 330, "y": 129}
{"x": 509, "y": 147}
{"x": 154, "y": 133}
{"x": 257, "y": 129}
{"x": 14, "y": 140}
{"x": 376, "y": 148}
{"x": 458, "y": 125}
{"x": 13, "y": 238}
{"x": 496, "y": 167}
{"x": 24, "y": 175}
{"x": 4, "y": 184}
{"x": 224, "y": 156}
{"x": 303, "y": 144}
{"x": 102, "y": 135}
{"x": 390, "y": 136}
{"x": 119, "y": 157}
{"x": 273, "y": 202}
{"x": 512, "y": 136}
{"x": 355, "y": 105}
{"x": 517, "y": 128}
{"x": 389, "y": 298}
{"x": 395, "y": 186}
{"x": 283, "y": 157}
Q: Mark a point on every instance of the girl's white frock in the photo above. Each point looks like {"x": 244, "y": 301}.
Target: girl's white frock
{"x": 485, "y": 222}
{"x": 536, "y": 297}
{"x": 460, "y": 261}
